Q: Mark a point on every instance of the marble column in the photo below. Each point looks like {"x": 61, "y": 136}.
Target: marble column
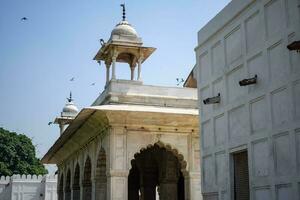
{"x": 107, "y": 73}
{"x": 114, "y": 59}
{"x": 132, "y": 67}
{"x": 139, "y": 78}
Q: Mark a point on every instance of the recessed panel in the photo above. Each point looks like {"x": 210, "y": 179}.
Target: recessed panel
{"x": 207, "y": 135}
{"x": 256, "y": 66}
{"x": 274, "y": 18}
{"x": 278, "y": 68}
{"x": 282, "y": 154}
{"x": 221, "y": 168}
{"x": 119, "y": 151}
{"x": 284, "y": 192}
{"x": 280, "y": 107}
{"x": 238, "y": 122}
{"x": 208, "y": 171}
{"x": 233, "y": 44}
{"x": 234, "y": 89}
{"x": 291, "y": 10}
{"x": 262, "y": 194}
{"x": 260, "y": 158}
{"x": 254, "y": 32}
{"x": 220, "y": 129}
{"x": 218, "y": 88}
{"x": 259, "y": 115}
{"x": 296, "y": 93}
{"x": 204, "y": 68}
{"x": 205, "y": 108}
{"x": 298, "y": 149}
{"x": 197, "y": 160}
{"x": 218, "y": 60}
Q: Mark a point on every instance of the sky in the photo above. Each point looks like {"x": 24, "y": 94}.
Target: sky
{"x": 39, "y": 56}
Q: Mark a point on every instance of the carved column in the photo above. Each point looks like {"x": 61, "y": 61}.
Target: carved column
{"x": 107, "y": 73}
{"x": 139, "y": 78}
{"x": 114, "y": 59}
{"x": 132, "y": 67}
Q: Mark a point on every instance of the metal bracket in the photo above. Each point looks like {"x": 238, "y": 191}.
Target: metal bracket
{"x": 294, "y": 46}
{"x": 213, "y": 100}
{"x": 249, "y": 81}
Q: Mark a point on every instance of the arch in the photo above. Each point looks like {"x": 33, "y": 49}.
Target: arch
{"x": 168, "y": 147}
{"x": 157, "y": 167}
{"x": 61, "y": 187}
{"x": 68, "y": 186}
{"x": 100, "y": 177}
{"x": 76, "y": 183}
{"x": 87, "y": 182}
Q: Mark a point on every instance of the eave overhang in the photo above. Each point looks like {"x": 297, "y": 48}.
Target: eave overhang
{"x": 92, "y": 121}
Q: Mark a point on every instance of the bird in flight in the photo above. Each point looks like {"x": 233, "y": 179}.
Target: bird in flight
{"x": 72, "y": 79}
{"x": 179, "y": 81}
{"x": 24, "y": 18}
{"x": 93, "y": 84}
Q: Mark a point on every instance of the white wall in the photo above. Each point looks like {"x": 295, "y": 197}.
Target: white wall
{"x": 30, "y": 187}
{"x": 249, "y": 37}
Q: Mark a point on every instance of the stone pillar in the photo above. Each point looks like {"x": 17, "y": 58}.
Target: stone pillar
{"x": 132, "y": 67}
{"x": 193, "y": 185}
{"x": 61, "y": 128}
{"x": 139, "y": 78}
{"x": 107, "y": 73}
{"x": 114, "y": 59}
{"x": 117, "y": 185}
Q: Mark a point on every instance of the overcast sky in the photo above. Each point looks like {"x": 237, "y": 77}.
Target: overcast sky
{"x": 39, "y": 56}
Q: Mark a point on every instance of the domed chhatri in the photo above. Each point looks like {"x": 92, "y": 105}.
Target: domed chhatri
{"x": 124, "y": 32}
{"x": 124, "y": 45}
{"x": 67, "y": 115}
{"x": 69, "y": 110}
{"x": 123, "y": 29}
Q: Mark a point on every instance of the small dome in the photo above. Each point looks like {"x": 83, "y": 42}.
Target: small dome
{"x": 124, "y": 29}
{"x": 70, "y": 108}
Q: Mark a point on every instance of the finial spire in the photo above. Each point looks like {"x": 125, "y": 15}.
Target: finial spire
{"x": 70, "y": 98}
{"x": 124, "y": 12}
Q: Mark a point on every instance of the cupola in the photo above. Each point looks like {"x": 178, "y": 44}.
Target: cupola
{"x": 125, "y": 46}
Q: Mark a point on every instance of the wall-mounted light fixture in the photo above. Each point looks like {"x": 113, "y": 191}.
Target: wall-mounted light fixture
{"x": 248, "y": 81}
{"x": 212, "y": 100}
{"x": 294, "y": 46}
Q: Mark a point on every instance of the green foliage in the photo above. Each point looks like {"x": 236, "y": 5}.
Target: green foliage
{"x": 17, "y": 155}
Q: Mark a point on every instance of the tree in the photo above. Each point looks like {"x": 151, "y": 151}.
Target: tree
{"x": 17, "y": 155}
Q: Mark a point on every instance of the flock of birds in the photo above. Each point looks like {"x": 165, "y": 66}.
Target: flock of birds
{"x": 73, "y": 79}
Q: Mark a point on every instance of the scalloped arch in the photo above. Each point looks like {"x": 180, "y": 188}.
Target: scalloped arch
{"x": 168, "y": 147}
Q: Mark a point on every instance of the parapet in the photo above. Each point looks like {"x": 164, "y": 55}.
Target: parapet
{"x": 135, "y": 93}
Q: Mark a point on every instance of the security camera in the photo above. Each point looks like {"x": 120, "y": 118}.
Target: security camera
{"x": 212, "y": 100}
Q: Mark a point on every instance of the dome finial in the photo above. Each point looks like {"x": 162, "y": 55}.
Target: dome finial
{"x": 70, "y": 98}
{"x": 124, "y": 12}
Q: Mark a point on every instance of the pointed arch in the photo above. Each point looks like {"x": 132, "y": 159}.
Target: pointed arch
{"x": 61, "y": 187}
{"x": 76, "y": 183}
{"x": 68, "y": 186}
{"x": 101, "y": 178}
{"x": 87, "y": 182}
